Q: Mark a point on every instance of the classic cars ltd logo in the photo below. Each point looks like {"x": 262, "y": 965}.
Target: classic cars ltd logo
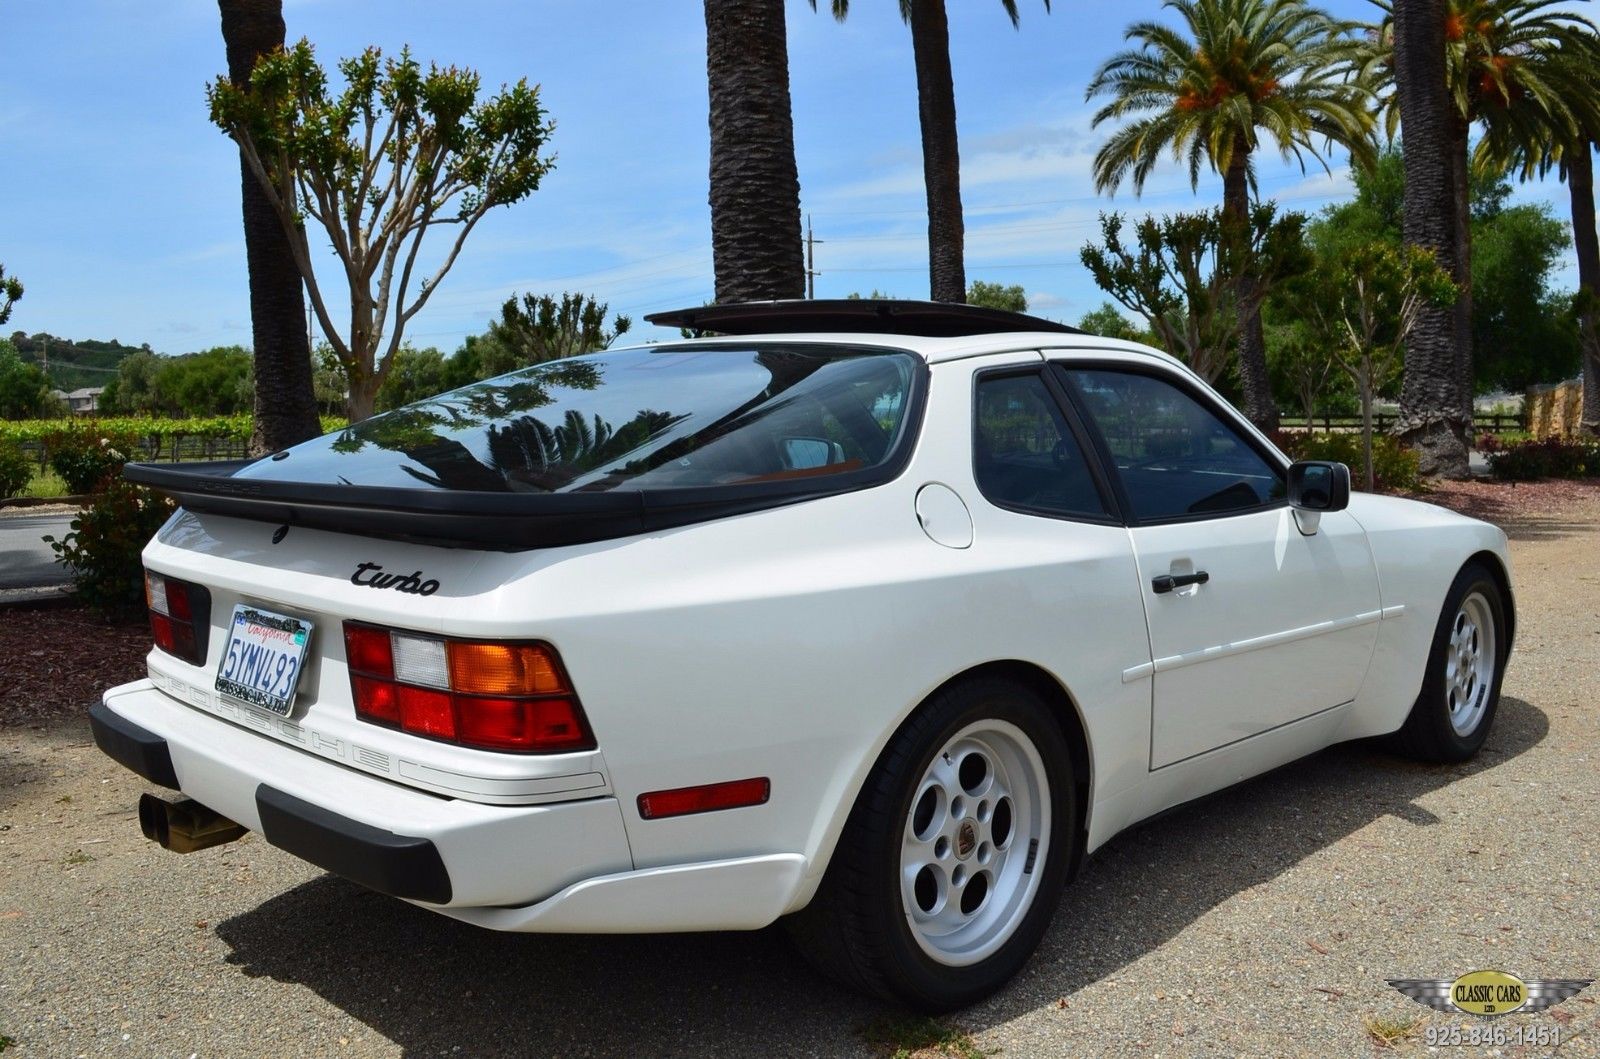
{"x": 1490, "y": 993}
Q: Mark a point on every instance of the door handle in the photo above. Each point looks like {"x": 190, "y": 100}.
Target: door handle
{"x": 1167, "y": 582}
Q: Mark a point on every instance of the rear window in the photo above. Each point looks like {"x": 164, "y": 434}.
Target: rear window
{"x": 643, "y": 418}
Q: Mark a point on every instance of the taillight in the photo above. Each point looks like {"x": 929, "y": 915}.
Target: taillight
{"x": 492, "y": 696}
{"x": 180, "y": 616}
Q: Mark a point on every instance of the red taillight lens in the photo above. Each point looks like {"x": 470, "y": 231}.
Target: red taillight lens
{"x": 180, "y": 616}
{"x": 491, "y": 696}
{"x": 685, "y": 800}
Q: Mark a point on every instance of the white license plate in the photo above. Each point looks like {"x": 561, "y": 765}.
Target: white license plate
{"x": 266, "y": 652}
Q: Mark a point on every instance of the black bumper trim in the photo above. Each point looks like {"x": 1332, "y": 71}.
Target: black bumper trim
{"x": 131, "y": 746}
{"x": 397, "y": 865}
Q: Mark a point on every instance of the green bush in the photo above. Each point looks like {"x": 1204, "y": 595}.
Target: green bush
{"x": 102, "y": 549}
{"x": 16, "y": 470}
{"x": 1393, "y": 465}
{"x": 85, "y": 457}
{"x": 1528, "y": 460}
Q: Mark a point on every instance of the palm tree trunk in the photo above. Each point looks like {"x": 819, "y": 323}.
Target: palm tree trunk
{"x": 1254, "y": 380}
{"x": 755, "y": 186}
{"x": 1580, "y": 186}
{"x": 1430, "y": 394}
{"x": 1461, "y": 189}
{"x": 285, "y": 401}
{"x": 941, "y": 160}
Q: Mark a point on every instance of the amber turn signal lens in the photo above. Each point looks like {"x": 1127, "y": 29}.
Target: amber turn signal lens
{"x": 504, "y": 669}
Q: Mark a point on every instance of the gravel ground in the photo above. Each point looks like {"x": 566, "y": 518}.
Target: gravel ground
{"x": 1262, "y": 921}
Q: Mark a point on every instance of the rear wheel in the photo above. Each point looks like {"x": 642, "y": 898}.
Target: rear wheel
{"x": 955, "y": 854}
{"x": 1461, "y": 690}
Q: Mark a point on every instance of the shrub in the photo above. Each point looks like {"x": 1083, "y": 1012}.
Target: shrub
{"x": 16, "y": 469}
{"x": 85, "y": 458}
{"x": 102, "y": 549}
{"x": 1393, "y": 465}
{"x": 1526, "y": 461}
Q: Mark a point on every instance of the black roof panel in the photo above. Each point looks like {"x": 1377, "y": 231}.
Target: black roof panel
{"x": 854, "y": 315}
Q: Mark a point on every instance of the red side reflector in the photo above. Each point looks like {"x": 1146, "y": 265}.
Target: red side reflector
{"x": 712, "y": 796}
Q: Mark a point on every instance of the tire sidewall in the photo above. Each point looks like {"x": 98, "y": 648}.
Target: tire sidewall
{"x": 1435, "y": 701}
{"x": 940, "y": 986}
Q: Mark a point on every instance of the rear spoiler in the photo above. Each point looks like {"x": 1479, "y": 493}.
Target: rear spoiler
{"x": 460, "y": 519}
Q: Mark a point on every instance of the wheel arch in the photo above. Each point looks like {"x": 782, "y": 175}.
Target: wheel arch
{"x": 1502, "y": 578}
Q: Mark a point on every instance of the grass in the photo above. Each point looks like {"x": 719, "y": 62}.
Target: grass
{"x": 6, "y": 1042}
{"x": 46, "y": 484}
{"x": 1386, "y": 1032}
{"x": 77, "y": 857}
{"x": 919, "y": 1037}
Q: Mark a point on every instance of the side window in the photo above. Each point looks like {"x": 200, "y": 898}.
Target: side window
{"x": 1174, "y": 456}
{"x": 1024, "y": 455}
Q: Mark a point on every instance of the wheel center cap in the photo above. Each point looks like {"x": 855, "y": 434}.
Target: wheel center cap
{"x": 966, "y": 839}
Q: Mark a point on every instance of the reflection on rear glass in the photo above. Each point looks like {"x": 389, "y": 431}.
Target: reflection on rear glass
{"x": 645, "y": 418}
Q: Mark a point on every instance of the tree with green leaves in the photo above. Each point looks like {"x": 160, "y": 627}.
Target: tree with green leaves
{"x": 1238, "y": 73}
{"x": 10, "y": 294}
{"x": 1012, "y": 298}
{"x": 1453, "y": 64}
{"x": 1364, "y": 302}
{"x": 285, "y": 407}
{"x": 1107, "y": 321}
{"x": 941, "y": 153}
{"x": 1528, "y": 137}
{"x": 755, "y": 185}
{"x": 1178, "y": 275}
{"x": 395, "y": 153}
{"x": 24, "y": 391}
{"x": 541, "y": 327}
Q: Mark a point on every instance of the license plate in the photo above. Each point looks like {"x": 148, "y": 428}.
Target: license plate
{"x": 266, "y": 652}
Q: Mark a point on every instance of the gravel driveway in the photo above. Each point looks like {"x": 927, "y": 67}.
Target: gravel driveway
{"x": 1262, "y": 921}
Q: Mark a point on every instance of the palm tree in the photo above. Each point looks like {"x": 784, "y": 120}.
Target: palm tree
{"x": 941, "y": 155}
{"x": 1536, "y": 133}
{"x": 755, "y": 187}
{"x": 285, "y": 400}
{"x": 1208, "y": 93}
{"x": 1490, "y": 53}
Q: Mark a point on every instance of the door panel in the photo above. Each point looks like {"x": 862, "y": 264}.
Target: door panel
{"x": 1283, "y": 627}
{"x": 1252, "y": 624}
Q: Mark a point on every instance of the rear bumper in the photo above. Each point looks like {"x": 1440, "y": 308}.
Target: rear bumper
{"x": 394, "y": 839}
{"x": 561, "y": 867}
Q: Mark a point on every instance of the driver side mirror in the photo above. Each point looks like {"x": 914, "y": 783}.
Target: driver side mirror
{"x": 1316, "y": 486}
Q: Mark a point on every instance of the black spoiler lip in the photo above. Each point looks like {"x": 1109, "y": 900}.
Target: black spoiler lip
{"x": 461, "y": 519}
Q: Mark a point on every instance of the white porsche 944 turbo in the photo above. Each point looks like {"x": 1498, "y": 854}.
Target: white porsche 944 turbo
{"x": 875, "y": 617}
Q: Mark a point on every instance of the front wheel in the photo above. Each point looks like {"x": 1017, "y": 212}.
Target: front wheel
{"x": 955, "y": 855}
{"x": 1461, "y": 689}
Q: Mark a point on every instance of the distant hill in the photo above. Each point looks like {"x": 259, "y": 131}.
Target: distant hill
{"x": 74, "y": 363}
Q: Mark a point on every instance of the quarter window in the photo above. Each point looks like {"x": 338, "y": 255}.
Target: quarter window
{"x": 1176, "y": 458}
{"x": 1024, "y": 454}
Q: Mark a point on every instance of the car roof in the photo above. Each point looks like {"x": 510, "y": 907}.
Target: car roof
{"x": 936, "y": 350}
{"x": 938, "y": 331}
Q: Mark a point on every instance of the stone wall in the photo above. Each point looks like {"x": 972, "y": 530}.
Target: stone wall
{"x": 1554, "y": 411}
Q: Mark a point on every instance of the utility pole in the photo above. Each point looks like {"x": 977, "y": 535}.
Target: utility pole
{"x": 811, "y": 260}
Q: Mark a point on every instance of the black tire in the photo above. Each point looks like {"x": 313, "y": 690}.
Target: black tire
{"x": 856, "y": 928}
{"x": 1428, "y": 734}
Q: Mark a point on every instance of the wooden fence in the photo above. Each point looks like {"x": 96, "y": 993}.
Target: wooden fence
{"x": 1481, "y": 423}
{"x": 171, "y": 448}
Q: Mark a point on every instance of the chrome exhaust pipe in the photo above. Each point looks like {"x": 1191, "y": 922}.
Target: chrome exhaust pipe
{"x": 185, "y": 825}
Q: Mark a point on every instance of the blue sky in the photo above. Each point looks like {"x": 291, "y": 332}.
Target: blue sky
{"x": 121, "y": 202}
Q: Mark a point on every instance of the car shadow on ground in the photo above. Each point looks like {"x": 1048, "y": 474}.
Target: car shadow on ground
{"x": 431, "y": 985}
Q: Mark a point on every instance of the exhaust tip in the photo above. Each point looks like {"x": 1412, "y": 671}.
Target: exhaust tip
{"x": 185, "y": 825}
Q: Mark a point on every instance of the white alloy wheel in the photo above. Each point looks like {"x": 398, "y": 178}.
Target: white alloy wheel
{"x": 979, "y": 823}
{"x": 1469, "y": 663}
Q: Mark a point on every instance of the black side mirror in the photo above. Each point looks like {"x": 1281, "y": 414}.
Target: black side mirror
{"x": 1319, "y": 485}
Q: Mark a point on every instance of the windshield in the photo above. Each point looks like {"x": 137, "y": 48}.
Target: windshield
{"x": 641, "y": 418}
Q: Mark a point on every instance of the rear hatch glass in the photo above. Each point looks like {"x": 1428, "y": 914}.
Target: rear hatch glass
{"x": 645, "y": 419}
